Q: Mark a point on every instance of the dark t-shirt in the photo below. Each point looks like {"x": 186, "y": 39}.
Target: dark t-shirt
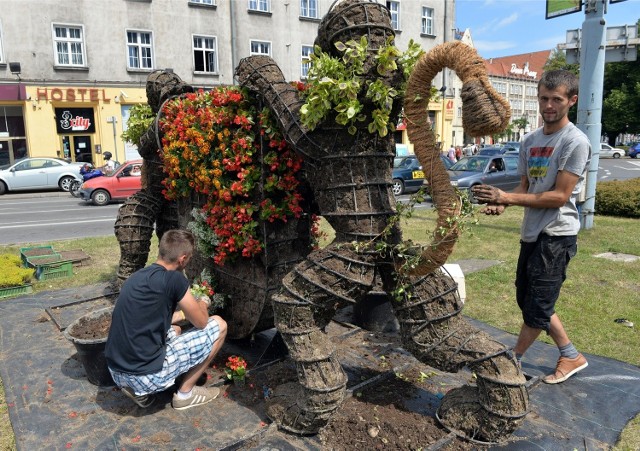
{"x": 141, "y": 319}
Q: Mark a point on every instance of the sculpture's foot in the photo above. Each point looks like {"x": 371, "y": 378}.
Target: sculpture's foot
{"x": 295, "y": 411}
{"x": 462, "y": 412}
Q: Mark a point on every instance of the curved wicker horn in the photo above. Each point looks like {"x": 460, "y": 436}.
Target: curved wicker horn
{"x": 484, "y": 112}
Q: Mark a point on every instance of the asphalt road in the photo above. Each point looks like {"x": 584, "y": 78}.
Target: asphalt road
{"x": 50, "y": 216}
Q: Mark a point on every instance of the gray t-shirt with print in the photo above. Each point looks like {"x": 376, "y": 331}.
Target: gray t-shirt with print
{"x": 542, "y": 157}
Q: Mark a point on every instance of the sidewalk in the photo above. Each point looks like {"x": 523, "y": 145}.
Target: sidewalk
{"x": 52, "y": 405}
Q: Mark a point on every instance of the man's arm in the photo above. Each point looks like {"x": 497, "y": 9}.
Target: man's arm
{"x": 196, "y": 311}
{"x": 555, "y": 198}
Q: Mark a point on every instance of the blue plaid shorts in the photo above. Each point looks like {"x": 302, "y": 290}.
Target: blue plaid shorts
{"x": 183, "y": 352}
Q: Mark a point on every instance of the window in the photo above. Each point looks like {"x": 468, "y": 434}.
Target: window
{"x": 68, "y": 45}
{"x": 260, "y": 48}
{"x": 515, "y": 89}
{"x": 204, "y": 2}
{"x": 309, "y": 8}
{"x": 394, "y": 9}
{"x": 427, "y": 21}
{"x": 307, "y": 50}
{"x": 139, "y": 49}
{"x": 259, "y": 5}
{"x": 500, "y": 87}
{"x": 532, "y": 91}
{"x": 205, "y": 54}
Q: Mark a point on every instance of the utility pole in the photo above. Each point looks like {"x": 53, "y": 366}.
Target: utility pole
{"x": 595, "y": 44}
{"x": 590, "y": 97}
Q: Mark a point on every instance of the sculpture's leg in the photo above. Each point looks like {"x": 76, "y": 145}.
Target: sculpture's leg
{"x": 433, "y": 330}
{"x": 134, "y": 228}
{"x": 311, "y": 294}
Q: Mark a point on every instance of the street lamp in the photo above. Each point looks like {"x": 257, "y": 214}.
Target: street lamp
{"x": 16, "y": 70}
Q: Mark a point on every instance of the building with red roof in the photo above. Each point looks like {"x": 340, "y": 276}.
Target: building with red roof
{"x": 516, "y": 78}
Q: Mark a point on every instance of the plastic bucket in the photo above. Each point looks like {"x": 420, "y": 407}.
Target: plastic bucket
{"x": 374, "y": 313}
{"x": 91, "y": 351}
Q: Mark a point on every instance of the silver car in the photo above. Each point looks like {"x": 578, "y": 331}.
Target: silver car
{"x": 39, "y": 173}
{"x": 606, "y": 151}
{"x": 500, "y": 171}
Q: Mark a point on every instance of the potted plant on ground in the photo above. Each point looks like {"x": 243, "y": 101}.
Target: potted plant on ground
{"x": 14, "y": 279}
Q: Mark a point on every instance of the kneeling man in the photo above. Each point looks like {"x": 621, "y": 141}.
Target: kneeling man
{"x": 145, "y": 351}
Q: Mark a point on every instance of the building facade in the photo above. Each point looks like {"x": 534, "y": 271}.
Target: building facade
{"x": 516, "y": 77}
{"x": 70, "y": 71}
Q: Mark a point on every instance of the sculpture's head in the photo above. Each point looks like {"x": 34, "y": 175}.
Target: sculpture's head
{"x": 163, "y": 84}
{"x": 352, "y": 19}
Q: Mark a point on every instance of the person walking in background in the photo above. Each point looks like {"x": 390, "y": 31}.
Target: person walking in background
{"x": 451, "y": 154}
{"x": 145, "y": 350}
{"x": 458, "y": 153}
{"x": 552, "y": 168}
{"x": 468, "y": 150}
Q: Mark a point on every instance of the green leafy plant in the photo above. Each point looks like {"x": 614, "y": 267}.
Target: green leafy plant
{"x": 206, "y": 239}
{"x": 337, "y": 85}
{"x": 140, "y": 118}
{"x": 11, "y": 272}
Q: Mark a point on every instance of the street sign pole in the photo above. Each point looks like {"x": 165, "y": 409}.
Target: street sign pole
{"x": 592, "y": 46}
{"x": 592, "y": 56}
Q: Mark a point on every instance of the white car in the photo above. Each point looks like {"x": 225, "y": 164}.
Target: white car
{"x": 606, "y": 151}
{"x": 39, "y": 173}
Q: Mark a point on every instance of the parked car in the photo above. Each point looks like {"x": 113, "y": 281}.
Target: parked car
{"x": 492, "y": 150}
{"x": 634, "y": 150}
{"x": 606, "y": 151}
{"x": 500, "y": 171}
{"x": 408, "y": 175}
{"x": 512, "y": 145}
{"x": 39, "y": 173}
{"x": 124, "y": 182}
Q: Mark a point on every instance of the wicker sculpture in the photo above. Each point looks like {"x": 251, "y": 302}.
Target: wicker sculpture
{"x": 350, "y": 177}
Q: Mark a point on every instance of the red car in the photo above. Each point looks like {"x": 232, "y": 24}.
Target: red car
{"x": 124, "y": 182}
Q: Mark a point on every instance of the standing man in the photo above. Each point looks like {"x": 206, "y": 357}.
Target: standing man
{"x": 145, "y": 352}
{"x": 552, "y": 169}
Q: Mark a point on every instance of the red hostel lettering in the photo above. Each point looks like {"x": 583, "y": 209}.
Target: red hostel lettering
{"x": 72, "y": 95}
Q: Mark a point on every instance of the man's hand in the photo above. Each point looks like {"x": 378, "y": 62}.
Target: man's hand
{"x": 493, "y": 210}
{"x": 487, "y": 194}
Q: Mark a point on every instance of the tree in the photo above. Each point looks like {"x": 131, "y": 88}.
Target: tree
{"x": 520, "y": 124}
{"x": 558, "y": 60}
{"x": 621, "y": 99}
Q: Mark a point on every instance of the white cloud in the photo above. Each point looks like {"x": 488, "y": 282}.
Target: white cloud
{"x": 507, "y": 20}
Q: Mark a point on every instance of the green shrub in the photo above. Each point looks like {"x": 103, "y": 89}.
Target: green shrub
{"x": 618, "y": 198}
{"x": 11, "y": 274}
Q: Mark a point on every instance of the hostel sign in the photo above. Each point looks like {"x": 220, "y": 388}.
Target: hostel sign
{"x": 75, "y": 121}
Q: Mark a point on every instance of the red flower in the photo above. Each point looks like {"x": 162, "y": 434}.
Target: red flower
{"x": 210, "y": 148}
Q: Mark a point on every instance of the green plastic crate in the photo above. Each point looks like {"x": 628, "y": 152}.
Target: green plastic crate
{"x": 14, "y": 291}
{"x": 46, "y": 269}
{"x": 36, "y": 251}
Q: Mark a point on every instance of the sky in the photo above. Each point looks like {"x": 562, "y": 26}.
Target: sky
{"x": 511, "y": 27}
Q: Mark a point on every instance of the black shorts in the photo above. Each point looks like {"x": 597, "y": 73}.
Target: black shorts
{"x": 542, "y": 268}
